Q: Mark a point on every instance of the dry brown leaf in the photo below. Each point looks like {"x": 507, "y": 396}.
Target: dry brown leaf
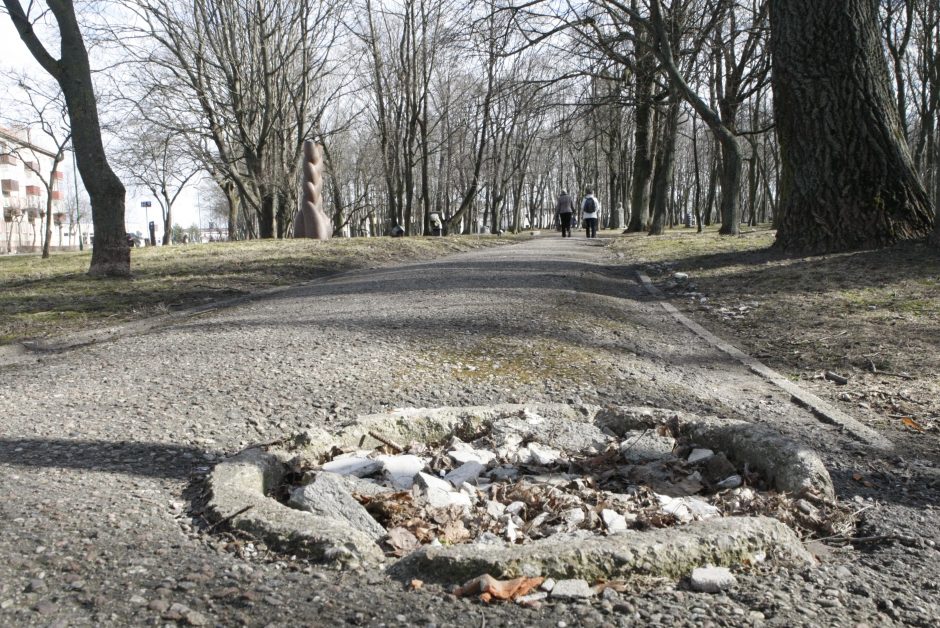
{"x": 416, "y": 584}
{"x": 402, "y": 540}
{"x": 489, "y": 588}
{"x": 454, "y": 532}
{"x": 911, "y": 423}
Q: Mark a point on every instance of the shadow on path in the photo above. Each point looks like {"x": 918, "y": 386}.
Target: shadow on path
{"x": 159, "y": 460}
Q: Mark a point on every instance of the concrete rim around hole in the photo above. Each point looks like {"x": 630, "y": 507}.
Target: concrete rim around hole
{"x": 239, "y": 487}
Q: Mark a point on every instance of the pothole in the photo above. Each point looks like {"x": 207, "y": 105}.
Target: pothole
{"x": 532, "y": 490}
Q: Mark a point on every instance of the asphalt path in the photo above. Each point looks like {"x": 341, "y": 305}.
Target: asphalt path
{"x": 103, "y": 446}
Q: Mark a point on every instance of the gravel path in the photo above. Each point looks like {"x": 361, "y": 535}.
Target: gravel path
{"x": 103, "y": 447}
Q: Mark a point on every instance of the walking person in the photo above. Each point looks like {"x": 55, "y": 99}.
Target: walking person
{"x": 564, "y": 208}
{"x": 590, "y": 210}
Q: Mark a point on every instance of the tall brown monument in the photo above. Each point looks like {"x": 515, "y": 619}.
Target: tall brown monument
{"x": 311, "y": 221}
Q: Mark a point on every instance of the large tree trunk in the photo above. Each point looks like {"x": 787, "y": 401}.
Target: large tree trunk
{"x": 847, "y": 178}
{"x": 111, "y": 255}
{"x": 643, "y": 143}
{"x": 665, "y": 166}
{"x": 730, "y": 183}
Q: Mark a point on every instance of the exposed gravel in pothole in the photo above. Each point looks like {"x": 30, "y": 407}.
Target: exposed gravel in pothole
{"x": 513, "y": 484}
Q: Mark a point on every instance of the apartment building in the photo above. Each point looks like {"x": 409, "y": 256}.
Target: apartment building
{"x": 23, "y": 168}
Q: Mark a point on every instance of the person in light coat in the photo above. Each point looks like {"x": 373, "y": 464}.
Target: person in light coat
{"x": 590, "y": 210}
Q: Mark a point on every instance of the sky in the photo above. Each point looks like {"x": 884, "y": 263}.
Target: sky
{"x": 14, "y": 56}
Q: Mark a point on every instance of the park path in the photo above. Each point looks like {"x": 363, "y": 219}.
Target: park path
{"x": 102, "y": 447}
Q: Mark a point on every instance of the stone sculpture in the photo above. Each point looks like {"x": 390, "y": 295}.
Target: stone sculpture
{"x": 311, "y": 221}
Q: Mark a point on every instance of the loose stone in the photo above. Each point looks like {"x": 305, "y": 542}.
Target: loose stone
{"x": 572, "y": 590}
{"x": 711, "y": 579}
{"x": 698, "y": 455}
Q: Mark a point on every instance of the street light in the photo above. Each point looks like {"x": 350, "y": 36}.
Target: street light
{"x": 153, "y": 235}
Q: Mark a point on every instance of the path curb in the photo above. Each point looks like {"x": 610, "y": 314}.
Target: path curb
{"x": 819, "y": 408}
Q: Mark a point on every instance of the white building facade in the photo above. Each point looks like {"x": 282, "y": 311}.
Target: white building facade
{"x": 23, "y": 169}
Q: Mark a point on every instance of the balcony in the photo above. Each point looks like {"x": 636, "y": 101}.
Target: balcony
{"x": 59, "y": 175}
{"x": 7, "y": 159}
{"x": 33, "y": 190}
{"x": 56, "y": 195}
{"x": 9, "y": 185}
{"x": 31, "y": 166}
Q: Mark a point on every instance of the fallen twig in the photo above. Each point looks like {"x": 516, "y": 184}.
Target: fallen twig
{"x": 230, "y": 517}
{"x": 835, "y": 377}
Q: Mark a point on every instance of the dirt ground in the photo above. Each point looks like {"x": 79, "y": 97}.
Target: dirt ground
{"x": 872, "y": 317}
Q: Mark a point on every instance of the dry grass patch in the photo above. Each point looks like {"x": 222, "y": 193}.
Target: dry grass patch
{"x": 872, "y": 316}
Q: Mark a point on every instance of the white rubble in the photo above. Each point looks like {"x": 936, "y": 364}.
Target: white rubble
{"x": 572, "y": 590}
{"x": 732, "y": 481}
{"x": 463, "y": 453}
{"x": 686, "y": 509}
{"x": 467, "y": 472}
{"x": 515, "y": 508}
{"x": 542, "y": 455}
{"x": 711, "y": 579}
{"x": 698, "y": 455}
{"x": 512, "y": 531}
{"x": 401, "y": 470}
{"x": 439, "y": 493}
{"x": 531, "y": 598}
{"x": 613, "y": 520}
{"x": 495, "y": 509}
{"x": 573, "y": 517}
{"x": 357, "y": 463}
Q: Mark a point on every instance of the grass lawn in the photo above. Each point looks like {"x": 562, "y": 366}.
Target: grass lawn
{"x": 42, "y": 298}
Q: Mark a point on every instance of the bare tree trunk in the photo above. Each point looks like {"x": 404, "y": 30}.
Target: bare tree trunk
{"x": 643, "y": 144}
{"x": 111, "y": 255}
{"x": 847, "y": 180}
{"x": 665, "y": 165}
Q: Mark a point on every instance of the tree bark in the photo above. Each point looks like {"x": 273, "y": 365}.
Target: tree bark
{"x": 665, "y": 166}
{"x": 111, "y": 255}
{"x": 847, "y": 179}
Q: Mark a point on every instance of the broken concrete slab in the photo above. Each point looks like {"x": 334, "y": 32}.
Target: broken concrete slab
{"x": 789, "y": 466}
{"x": 436, "y": 425}
{"x": 467, "y": 472}
{"x": 670, "y": 552}
{"x": 363, "y": 486}
{"x": 481, "y": 430}
{"x": 440, "y": 493}
{"x": 357, "y": 464}
{"x": 613, "y": 520}
{"x": 563, "y": 433}
{"x": 238, "y": 490}
{"x": 543, "y": 455}
{"x": 462, "y": 453}
{"x": 327, "y": 496}
{"x": 401, "y": 470}
{"x": 642, "y": 446}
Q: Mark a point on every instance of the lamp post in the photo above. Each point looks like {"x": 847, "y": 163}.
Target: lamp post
{"x": 146, "y": 206}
